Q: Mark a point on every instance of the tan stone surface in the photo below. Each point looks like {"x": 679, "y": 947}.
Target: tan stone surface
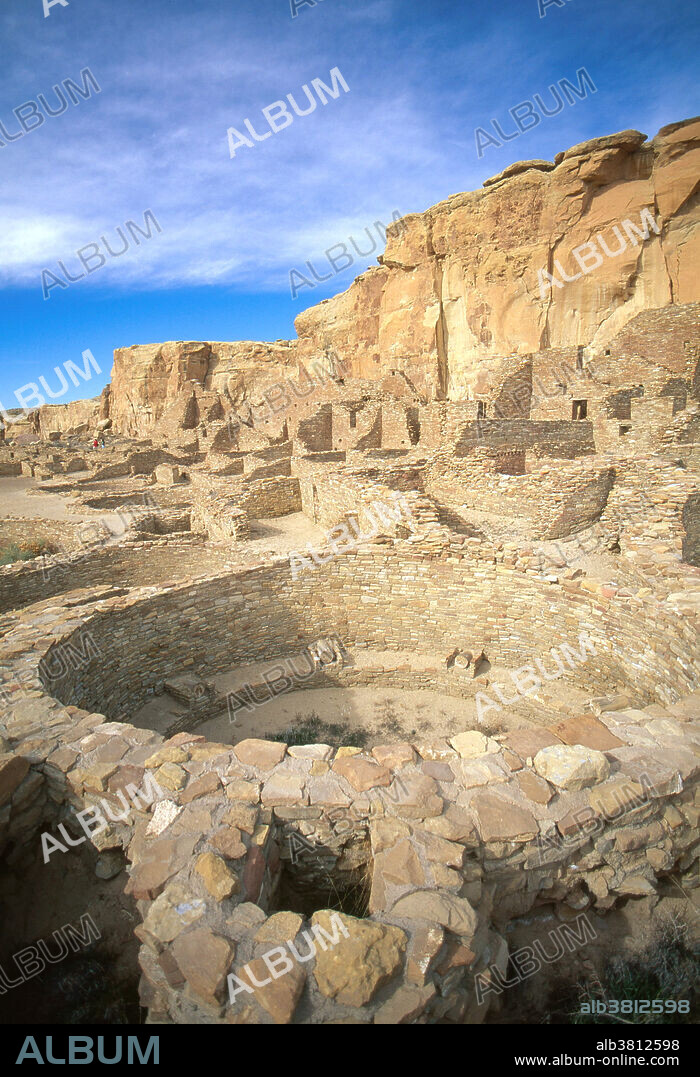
{"x": 471, "y": 744}
{"x": 280, "y": 997}
{"x": 173, "y": 911}
{"x": 281, "y": 927}
{"x": 393, "y": 756}
{"x": 501, "y": 820}
{"x": 264, "y": 754}
{"x": 442, "y": 302}
{"x": 171, "y": 776}
{"x": 204, "y": 959}
{"x": 227, "y": 841}
{"x": 423, "y": 949}
{"x": 405, "y": 1005}
{"x": 571, "y": 766}
{"x": 534, "y": 788}
{"x": 353, "y": 970}
{"x": 452, "y": 912}
{"x": 170, "y": 754}
{"x": 362, "y": 773}
{"x": 219, "y": 880}
{"x": 12, "y": 771}
{"x": 588, "y": 731}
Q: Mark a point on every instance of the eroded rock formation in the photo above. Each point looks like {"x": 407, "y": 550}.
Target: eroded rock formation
{"x": 546, "y": 255}
{"x": 458, "y": 286}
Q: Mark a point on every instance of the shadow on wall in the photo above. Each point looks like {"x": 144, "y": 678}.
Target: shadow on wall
{"x": 584, "y": 507}
{"x": 691, "y": 524}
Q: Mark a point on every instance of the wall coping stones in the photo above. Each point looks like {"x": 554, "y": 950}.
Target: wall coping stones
{"x": 221, "y": 835}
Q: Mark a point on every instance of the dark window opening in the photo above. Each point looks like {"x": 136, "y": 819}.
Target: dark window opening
{"x": 317, "y": 874}
{"x": 481, "y": 665}
{"x": 353, "y": 420}
{"x": 579, "y": 359}
{"x": 607, "y": 351}
{"x": 579, "y": 409}
{"x": 625, "y": 429}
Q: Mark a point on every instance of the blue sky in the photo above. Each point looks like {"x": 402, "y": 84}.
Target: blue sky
{"x": 175, "y": 75}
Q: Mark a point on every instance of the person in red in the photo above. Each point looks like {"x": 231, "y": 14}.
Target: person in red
{"x": 94, "y": 444}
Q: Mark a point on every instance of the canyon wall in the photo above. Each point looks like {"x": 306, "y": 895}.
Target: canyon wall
{"x": 149, "y": 379}
{"x": 547, "y": 255}
{"x": 459, "y": 285}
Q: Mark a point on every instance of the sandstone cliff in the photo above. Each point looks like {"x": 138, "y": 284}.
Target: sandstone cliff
{"x": 150, "y": 379}
{"x": 459, "y": 284}
{"x": 80, "y": 417}
{"x": 546, "y": 255}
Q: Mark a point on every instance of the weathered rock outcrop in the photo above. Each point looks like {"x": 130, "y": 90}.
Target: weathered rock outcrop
{"x": 148, "y": 379}
{"x": 459, "y": 284}
{"x": 82, "y": 416}
{"x": 546, "y": 255}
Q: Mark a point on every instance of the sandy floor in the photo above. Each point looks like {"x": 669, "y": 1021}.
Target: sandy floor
{"x": 367, "y": 715}
{"x": 20, "y": 497}
{"x": 282, "y": 534}
{"x": 377, "y": 715}
{"x": 25, "y": 498}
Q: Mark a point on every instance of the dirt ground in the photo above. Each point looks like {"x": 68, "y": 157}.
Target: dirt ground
{"x": 553, "y": 994}
{"x": 94, "y": 984}
{"x": 30, "y": 514}
{"x": 357, "y": 717}
{"x": 22, "y": 497}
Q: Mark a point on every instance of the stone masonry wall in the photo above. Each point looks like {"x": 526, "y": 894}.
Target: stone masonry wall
{"x": 405, "y": 599}
{"x": 454, "y": 837}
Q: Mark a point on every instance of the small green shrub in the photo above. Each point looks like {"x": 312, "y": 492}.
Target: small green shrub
{"x": 310, "y": 729}
{"x": 667, "y": 968}
{"x": 24, "y": 551}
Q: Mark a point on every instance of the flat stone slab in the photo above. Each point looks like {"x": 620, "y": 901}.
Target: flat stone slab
{"x": 204, "y": 959}
{"x": 394, "y": 756}
{"x": 437, "y": 907}
{"x": 435, "y": 751}
{"x": 362, "y": 773}
{"x": 284, "y": 789}
{"x": 310, "y": 751}
{"x": 264, "y": 754}
{"x": 280, "y": 997}
{"x": 588, "y": 731}
{"x": 528, "y": 742}
{"x": 472, "y": 743}
{"x": 498, "y": 819}
{"x": 165, "y": 858}
{"x": 534, "y": 787}
{"x": 200, "y": 787}
{"x": 326, "y": 791}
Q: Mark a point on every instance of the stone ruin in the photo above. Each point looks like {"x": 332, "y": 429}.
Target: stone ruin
{"x": 441, "y": 487}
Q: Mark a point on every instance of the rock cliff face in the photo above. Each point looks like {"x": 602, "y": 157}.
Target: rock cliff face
{"x": 546, "y": 255}
{"x": 150, "y": 379}
{"x": 460, "y": 284}
{"x": 82, "y": 416}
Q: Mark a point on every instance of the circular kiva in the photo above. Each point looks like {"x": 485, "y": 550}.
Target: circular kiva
{"x": 313, "y": 884}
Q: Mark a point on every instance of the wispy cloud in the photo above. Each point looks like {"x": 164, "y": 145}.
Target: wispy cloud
{"x": 175, "y": 76}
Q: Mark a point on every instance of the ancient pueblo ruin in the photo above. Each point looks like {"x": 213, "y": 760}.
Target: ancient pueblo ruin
{"x": 356, "y": 664}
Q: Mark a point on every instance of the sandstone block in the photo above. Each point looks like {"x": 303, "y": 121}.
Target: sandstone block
{"x": 571, "y": 766}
